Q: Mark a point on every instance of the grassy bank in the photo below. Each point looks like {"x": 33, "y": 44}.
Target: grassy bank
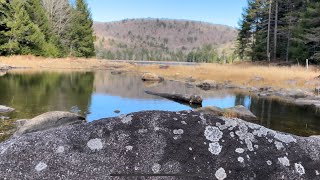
{"x": 240, "y": 74}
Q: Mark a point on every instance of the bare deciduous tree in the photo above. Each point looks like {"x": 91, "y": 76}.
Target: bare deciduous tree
{"x": 59, "y": 15}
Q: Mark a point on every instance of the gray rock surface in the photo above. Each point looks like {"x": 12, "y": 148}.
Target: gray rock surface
{"x": 46, "y": 121}
{"x": 191, "y": 99}
{"x": 146, "y": 144}
{"x": 5, "y": 109}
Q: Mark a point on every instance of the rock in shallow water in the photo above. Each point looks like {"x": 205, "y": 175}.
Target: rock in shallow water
{"x": 46, "y": 121}
{"x": 237, "y": 111}
{"x": 208, "y": 148}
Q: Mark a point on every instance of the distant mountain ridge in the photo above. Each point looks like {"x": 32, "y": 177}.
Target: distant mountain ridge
{"x": 159, "y": 39}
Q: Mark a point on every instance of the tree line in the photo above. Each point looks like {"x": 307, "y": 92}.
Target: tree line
{"x": 280, "y": 30}
{"x": 51, "y": 28}
{"x": 204, "y": 54}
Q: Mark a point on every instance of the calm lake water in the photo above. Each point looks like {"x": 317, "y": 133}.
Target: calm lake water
{"x": 97, "y": 95}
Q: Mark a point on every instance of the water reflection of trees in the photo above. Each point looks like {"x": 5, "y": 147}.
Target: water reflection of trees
{"x": 284, "y": 117}
{"x": 35, "y": 93}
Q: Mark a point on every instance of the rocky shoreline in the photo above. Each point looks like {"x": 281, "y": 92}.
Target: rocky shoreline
{"x": 161, "y": 145}
{"x": 299, "y": 97}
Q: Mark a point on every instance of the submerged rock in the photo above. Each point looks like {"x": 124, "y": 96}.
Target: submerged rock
{"x": 209, "y": 84}
{"x": 191, "y": 99}
{"x": 151, "y": 77}
{"x": 237, "y": 111}
{"x": 5, "y": 109}
{"x": 46, "y": 121}
{"x": 157, "y": 143}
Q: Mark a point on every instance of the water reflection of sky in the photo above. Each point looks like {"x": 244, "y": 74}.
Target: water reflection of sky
{"x": 226, "y": 102}
{"x": 103, "y": 105}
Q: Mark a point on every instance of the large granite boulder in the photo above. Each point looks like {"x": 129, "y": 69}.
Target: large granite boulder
{"x": 161, "y": 145}
{"x": 46, "y": 121}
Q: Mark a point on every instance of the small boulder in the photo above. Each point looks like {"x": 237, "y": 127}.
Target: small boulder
{"x": 237, "y": 111}
{"x": 242, "y": 113}
{"x": 5, "y": 109}
{"x": 298, "y": 93}
{"x": 208, "y": 84}
{"x": 151, "y": 77}
{"x": 265, "y": 88}
{"x": 212, "y": 110}
{"x": 47, "y": 121}
{"x": 116, "y": 72}
{"x": 164, "y": 67}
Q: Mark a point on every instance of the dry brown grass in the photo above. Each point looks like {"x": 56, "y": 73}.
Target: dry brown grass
{"x": 40, "y": 63}
{"x": 239, "y": 74}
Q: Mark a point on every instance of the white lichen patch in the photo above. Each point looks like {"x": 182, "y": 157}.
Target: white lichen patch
{"x": 220, "y": 174}
{"x": 215, "y": 148}
{"x": 176, "y": 119}
{"x": 285, "y": 138}
{"x": 177, "y": 137}
{"x": 41, "y": 166}
{"x": 213, "y": 133}
{"x": 183, "y": 122}
{"x": 95, "y": 144}
{"x": 126, "y": 119}
{"x": 317, "y": 173}
{"x": 60, "y": 149}
{"x": 190, "y": 148}
{"x": 284, "y": 161}
{"x": 240, "y": 159}
{"x": 232, "y": 134}
{"x": 278, "y": 145}
{"x": 156, "y": 168}
{"x": 142, "y": 131}
{"x": 129, "y": 148}
{"x": 299, "y": 168}
{"x": 156, "y": 129}
{"x": 269, "y": 163}
{"x": 256, "y": 146}
{"x": 239, "y": 150}
{"x": 178, "y": 131}
{"x": 245, "y": 135}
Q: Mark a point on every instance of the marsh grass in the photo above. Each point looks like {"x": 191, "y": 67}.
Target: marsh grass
{"x": 239, "y": 74}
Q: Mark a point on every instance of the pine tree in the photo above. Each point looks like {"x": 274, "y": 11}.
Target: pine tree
{"x": 81, "y": 32}
{"x": 23, "y": 36}
{"x": 311, "y": 30}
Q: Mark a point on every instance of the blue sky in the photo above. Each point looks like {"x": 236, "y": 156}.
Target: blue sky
{"x": 226, "y": 12}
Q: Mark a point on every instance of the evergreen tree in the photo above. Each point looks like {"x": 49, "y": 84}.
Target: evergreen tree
{"x": 81, "y": 32}
{"x": 23, "y": 36}
{"x": 280, "y": 30}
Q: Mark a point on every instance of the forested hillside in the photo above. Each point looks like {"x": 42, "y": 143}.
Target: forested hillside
{"x": 52, "y": 28}
{"x": 161, "y": 39}
{"x": 278, "y": 30}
